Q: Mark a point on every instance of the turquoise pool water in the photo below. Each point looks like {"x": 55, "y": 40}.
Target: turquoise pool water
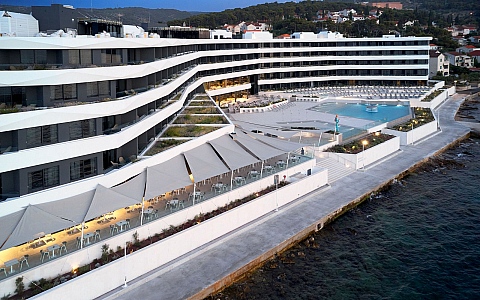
{"x": 386, "y": 113}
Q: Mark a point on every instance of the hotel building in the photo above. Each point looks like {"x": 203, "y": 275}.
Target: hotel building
{"x": 73, "y": 109}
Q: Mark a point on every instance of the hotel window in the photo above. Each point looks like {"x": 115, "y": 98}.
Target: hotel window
{"x": 43, "y": 179}
{"x": 61, "y": 92}
{"x": 83, "y": 168}
{"x": 98, "y": 88}
{"x": 43, "y": 135}
{"x": 111, "y": 56}
{"x": 82, "y": 129}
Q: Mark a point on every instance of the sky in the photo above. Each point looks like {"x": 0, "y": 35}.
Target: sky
{"x": 186, "y": 5}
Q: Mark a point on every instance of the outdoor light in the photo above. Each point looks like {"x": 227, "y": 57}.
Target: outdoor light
{"x": 364, "y": 143}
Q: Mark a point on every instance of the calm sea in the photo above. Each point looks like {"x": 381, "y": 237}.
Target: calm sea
{"x": 420, "y": 239}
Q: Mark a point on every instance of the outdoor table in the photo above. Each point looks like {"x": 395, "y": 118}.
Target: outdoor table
{"x": 52, "y": 249}
{"x": 268, "y": 169}
{"x": 253, "y": 174}
{"x": 239, "y": 180}
{"x": 281, "y": 164}
{"x": 87, "y": 236}
{"x": 121, "y": 224}
{"x": 11, "y": 263}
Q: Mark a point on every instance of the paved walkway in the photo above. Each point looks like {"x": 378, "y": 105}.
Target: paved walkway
{"x": 195, "y": 272}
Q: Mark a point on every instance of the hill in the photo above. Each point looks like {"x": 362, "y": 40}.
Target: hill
{"x": 127, "y": 15}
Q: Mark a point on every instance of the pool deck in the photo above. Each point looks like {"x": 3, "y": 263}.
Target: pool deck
{"x": 198, "y": 273}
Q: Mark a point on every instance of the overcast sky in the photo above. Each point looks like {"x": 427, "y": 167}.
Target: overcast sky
{"x": 186, "y": 5}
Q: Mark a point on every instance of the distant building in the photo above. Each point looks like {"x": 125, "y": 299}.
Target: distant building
{"x": 15, "y": 24}
{"x": 220, "y": 34}
{"x": 438, "y": 63}
{"x": 392, "y": 5}
{"x": 180, "y": 32}
{"x": 56, "y": 16}
{"x": 459, "y": 59}
{"x": 304, "y": 35}
{"x": 257, "y": 34}
{"x": 467, "y": 49}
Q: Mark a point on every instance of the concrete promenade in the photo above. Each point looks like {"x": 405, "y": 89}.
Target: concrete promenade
{"x": 198, "y": 273}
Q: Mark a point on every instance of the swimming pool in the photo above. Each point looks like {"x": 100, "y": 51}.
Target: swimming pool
{"x": 385, "y": 113}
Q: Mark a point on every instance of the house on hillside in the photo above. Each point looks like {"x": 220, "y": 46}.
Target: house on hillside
{"x": 459, "y": 59}
{"x": 460, "y": 40}
{"x": 233, "y": 28}
{"x": 475, "y": 55}
{"x": 474, "y": 39}
{"x": 438, "y": 63}
{"x": 467, "y": 49}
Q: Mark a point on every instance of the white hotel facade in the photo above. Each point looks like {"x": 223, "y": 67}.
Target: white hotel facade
{"x": 85, "y": 102}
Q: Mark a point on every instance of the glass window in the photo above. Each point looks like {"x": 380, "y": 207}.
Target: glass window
{"x": 44, "y": 178}
{"x": 83, "y": 168}
{"x": 82, "y": 129}
{"x": 44, "y": 135}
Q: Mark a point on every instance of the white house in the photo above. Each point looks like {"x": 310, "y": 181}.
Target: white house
{"x": 220, "y": 34}
{"x": 16, "y": 24}
{"x": 438, "y": 63}
{"x": 459, "y": 59}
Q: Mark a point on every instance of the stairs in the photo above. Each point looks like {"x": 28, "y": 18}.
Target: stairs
{"x": 336, "y": 170}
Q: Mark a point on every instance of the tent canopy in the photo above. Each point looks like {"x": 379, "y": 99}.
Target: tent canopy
{"x": 34, "y": 221}
{"x": 133, "y": 188}
{"x": 106, "y": 200}
{"x": 9, "y": 222}
{"x": 258, "y": 148}
{"x": 72, "y": 208}
{"x": 204, "y": 162}
{"x": 232, "y": 153}
{"x": 167, "y": 176}
{"x": 280, "y": 144}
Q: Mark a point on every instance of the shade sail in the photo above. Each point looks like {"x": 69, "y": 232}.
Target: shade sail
{"x": 233, "y": 154}
{"x": 204, "y": 162}
{"x": 106, "y": 200}
{"x": 33, "y": 221}
{"x": 72, "y": 208}
{"x": 258, "y": 148}
{"x": 277, "y": 143}
{"x": 133, "y": 188}
{"x": 8, "y": 224}
{"x": 167, "y": 176}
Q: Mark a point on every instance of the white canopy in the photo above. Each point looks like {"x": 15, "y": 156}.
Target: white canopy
{"x": 72, "y": 208}
{"x": 133, "y": 188}
{"x": 204, "y": 162}
{"x": 280, "y": 144}
{"x": 232, "y": 153}
{"x": 8, "y": 225}
{"x": 258, "y": 148}
{"x": 167, "y": 176}
{"x": 107, "y": 200}
{"x": 34, "y": 221}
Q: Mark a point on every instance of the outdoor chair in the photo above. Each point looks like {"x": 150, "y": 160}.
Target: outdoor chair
{"x": 128, "y": 222}
{"x": 79, "y": 242}
{"x": 4, "y": 270}
{"x": 113, "y": 229}
{"x": 44, "y": 254}
{"x": 63, "y": 247}
{"x": 97, "y": 235}
{"x": 23, "y": 260}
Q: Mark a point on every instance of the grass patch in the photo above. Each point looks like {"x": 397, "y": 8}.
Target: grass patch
{"x": 201, "y": 110}
{"x": 188, "y": 131}
{"x": 201, "y": 103}
{"x": 192, "y": 119}
{"x": 163, "y": 145}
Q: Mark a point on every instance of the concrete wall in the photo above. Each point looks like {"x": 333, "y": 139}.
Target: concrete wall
{"x": 431, "y": 104}
{"x": 414, "y": 135}
{"x": 368, "y": 156}
{"x": 101, "y": 280}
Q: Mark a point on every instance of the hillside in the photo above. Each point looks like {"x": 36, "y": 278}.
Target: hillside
{"x": 128, "y": 15}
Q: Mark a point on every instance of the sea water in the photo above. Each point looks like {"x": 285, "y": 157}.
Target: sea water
{"x": 420, "y": 239}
